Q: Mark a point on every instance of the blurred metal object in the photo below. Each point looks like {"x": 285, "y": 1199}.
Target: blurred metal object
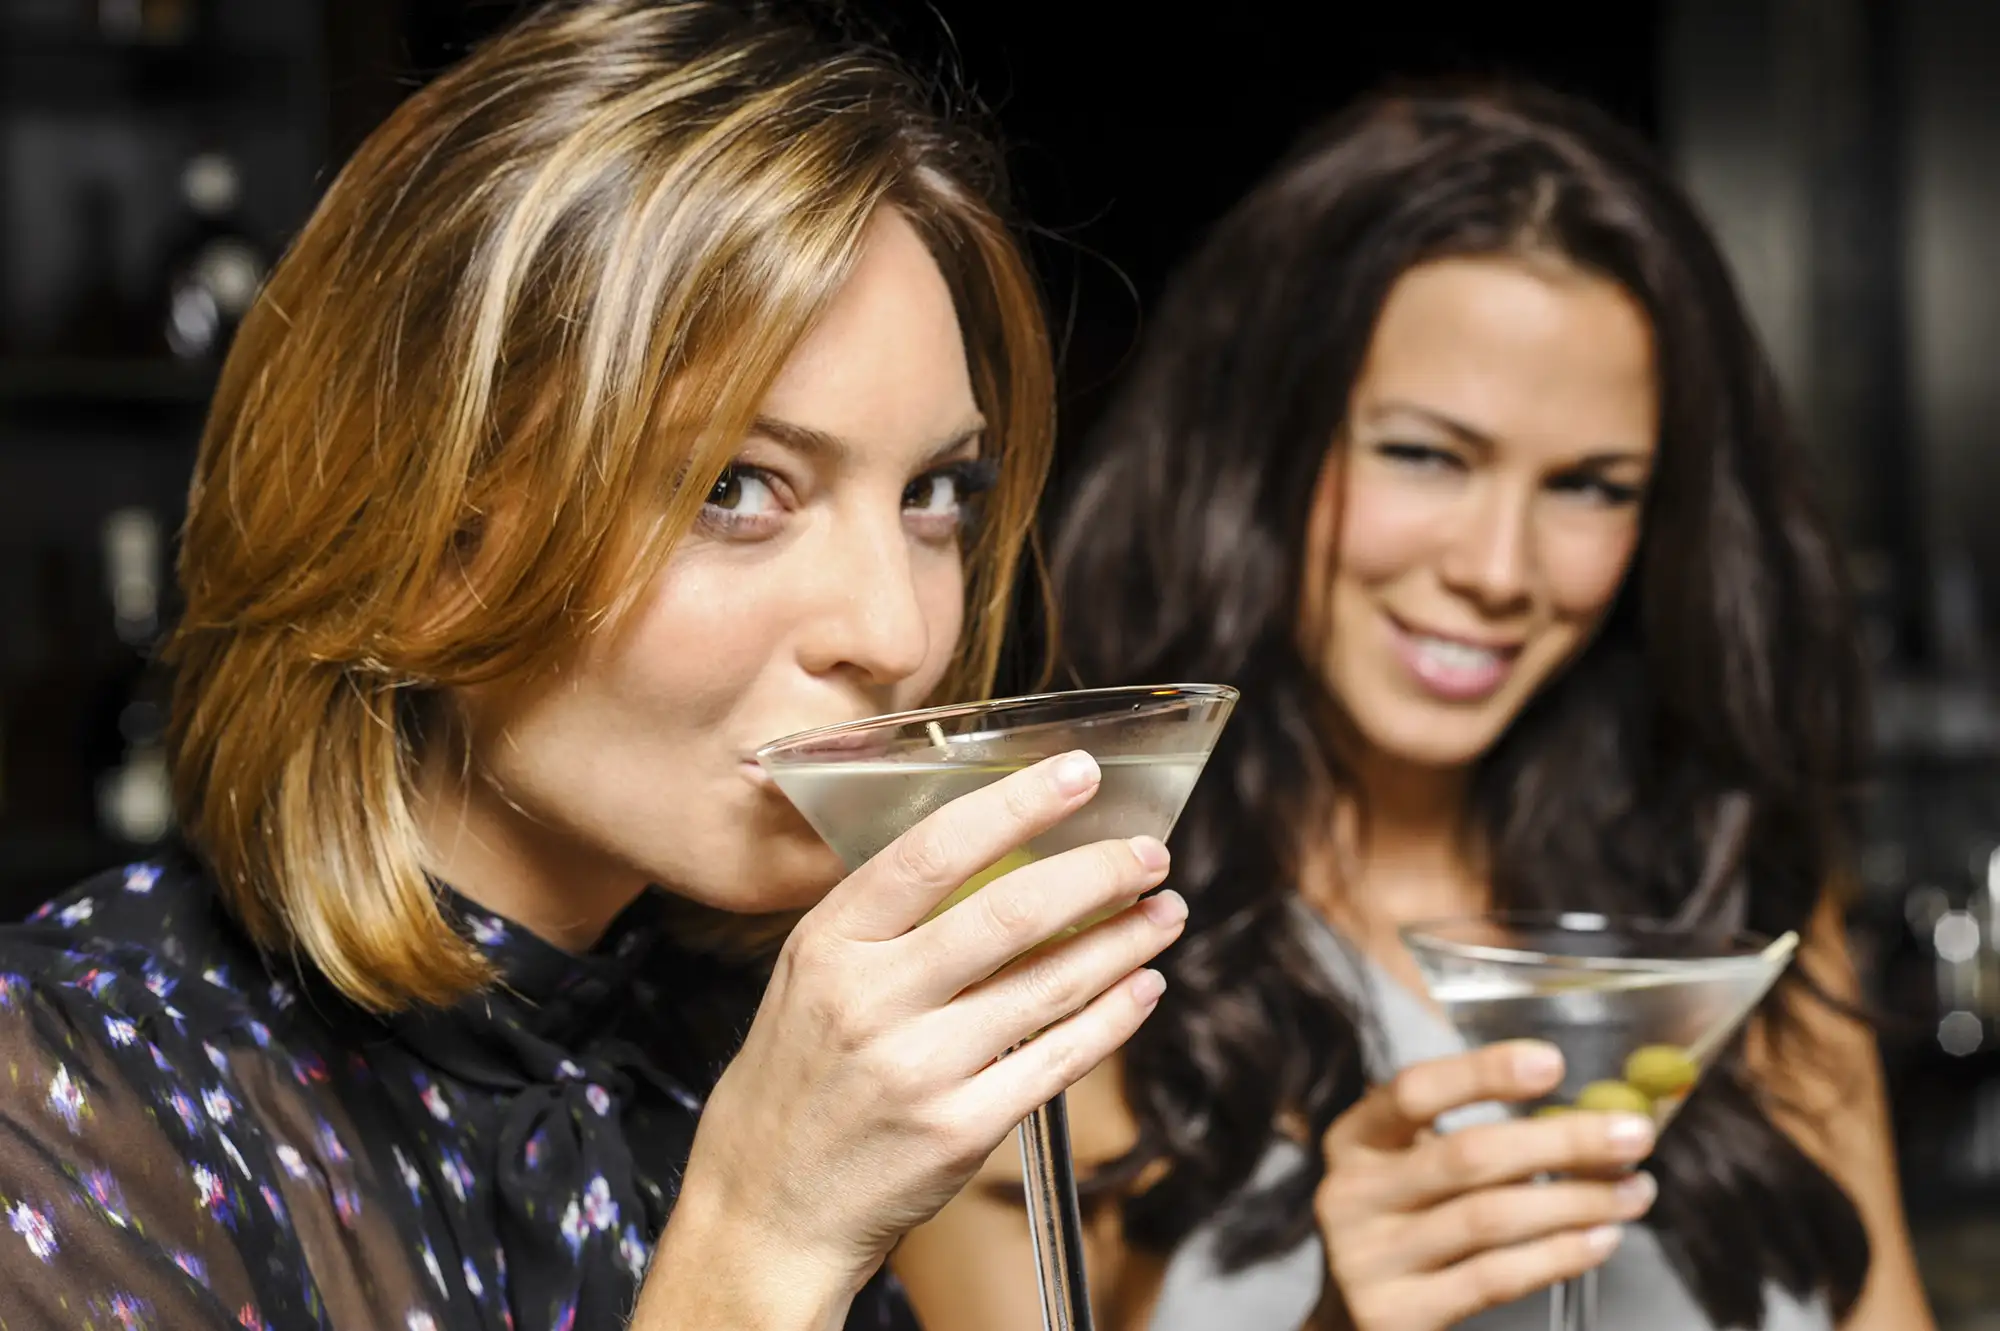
{"x": 154, "y": 21}
{"x": 133, "y": 569}
{"x": 215, "y": 270}
{"x": 1786, "y": 120}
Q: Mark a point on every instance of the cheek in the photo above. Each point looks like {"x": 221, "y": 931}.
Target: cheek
{"x": 940, "y": 590}
{"x": 1586, "y": 567}
{"x": 637, "y": 701}
{"x": 1387, "y": 527}
{"x": 726, "y": 612}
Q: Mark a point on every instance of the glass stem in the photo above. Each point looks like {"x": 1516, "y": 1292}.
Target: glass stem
{"x": 1573, "y": 1304}
{"x": 1054, "y": 1219}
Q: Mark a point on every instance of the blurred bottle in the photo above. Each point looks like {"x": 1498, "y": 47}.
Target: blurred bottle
{"x": 47, "y": 703}
{"x": 39, "y": 16}
{"x": 151, "y": 22}
{"x": 1956, "y": 612}
{"x": 100, "y": 320}
{"x": 134, "y": 795}
{"x": 214, "y": 268}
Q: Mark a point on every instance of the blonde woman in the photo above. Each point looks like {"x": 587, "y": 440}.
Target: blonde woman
{"x": 656, "y": 383}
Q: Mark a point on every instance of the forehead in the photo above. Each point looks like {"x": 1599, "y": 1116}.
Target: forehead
{"x": 1527, "y": 352}
{"x": 885, "y": 366}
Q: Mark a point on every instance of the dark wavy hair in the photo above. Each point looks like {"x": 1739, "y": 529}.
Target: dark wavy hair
{"x": 1726, "y": 662}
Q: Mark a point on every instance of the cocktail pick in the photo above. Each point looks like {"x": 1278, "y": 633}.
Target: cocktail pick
{"x": 1775, "y": 957}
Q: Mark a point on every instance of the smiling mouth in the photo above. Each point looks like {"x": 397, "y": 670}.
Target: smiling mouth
{"x": 1453, "y": 668}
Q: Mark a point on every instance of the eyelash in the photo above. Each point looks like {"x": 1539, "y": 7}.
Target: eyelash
{"x": 970, "y": 479}
{"x": 1608, "y": 494}
{"x": 1428, "y": 457}
{"x": 1425, "y": 456}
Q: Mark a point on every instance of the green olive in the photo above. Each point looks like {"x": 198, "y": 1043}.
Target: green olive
{"x": 1554, "y": 1111}
{"x": 1661, "y": 1070}
{"x": 1614, "y": 1097}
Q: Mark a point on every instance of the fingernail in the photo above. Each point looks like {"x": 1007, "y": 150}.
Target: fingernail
{"x": 1166, "y": 908}
{"x": 1537, "y": 1062}
{"x": 1152, "y": 855}
{"x": 1630, "y": 1131}
{"x": 1075, "y": 773}
{"x": 1604, "y": 1238}
{"x": 1638, "y": 1191}
{"x": 1147, "y": 986}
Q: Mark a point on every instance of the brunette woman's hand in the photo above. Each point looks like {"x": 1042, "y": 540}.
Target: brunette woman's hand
{"x": 1423, "y": 1229}
{"x": 871, "y": 1085}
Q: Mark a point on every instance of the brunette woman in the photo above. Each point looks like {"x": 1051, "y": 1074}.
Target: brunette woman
{"x": 1453, "y": 448}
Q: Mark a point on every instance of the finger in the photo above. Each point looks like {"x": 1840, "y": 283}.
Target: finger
{"x": 1502, "y": 1217}
{"x": 1503, "y": 1275}
{"x": 1496, "y": 1153}
{"x": 1391, "y": 1115}
{"x": 1009, "y": 1090}
{"x": 1033, "y": 904}
{"x": 886, "y": 897}
{"x": 1039, "y": 990}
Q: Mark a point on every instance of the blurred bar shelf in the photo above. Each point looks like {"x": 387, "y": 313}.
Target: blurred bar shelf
{"x": 82, "y": 380}
{"x": 45, "y": 72}
{"x": 161, "y": 398}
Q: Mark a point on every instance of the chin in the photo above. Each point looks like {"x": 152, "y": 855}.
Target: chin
{"x": 788, "y": 875}
{"x": 1435, "y": 737}
{"x": 760, "y": 872}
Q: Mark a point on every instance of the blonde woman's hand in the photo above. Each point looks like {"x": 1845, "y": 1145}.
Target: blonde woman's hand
{"x": 1423, "y": 1229}
{"x": 871, "y": 1085}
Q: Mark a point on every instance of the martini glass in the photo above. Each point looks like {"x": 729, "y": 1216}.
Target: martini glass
{"x": 864, "y": 784}
{"x": 1639, "y": 1009}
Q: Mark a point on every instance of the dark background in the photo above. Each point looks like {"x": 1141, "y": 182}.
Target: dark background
{"x": 1844, "y": 149}
{"x": 1127, "y": 135}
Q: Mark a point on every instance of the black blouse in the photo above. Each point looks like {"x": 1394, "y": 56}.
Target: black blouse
{"x": 195, "y": 1136}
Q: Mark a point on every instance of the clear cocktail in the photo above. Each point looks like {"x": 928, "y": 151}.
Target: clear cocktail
{"x": 1639, "y": 1009}
{"x": 864, "y": 784}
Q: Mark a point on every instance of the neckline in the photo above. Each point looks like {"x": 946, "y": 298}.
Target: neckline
{"x": 562, "y": 991}
{"x": 1361, "y": 969}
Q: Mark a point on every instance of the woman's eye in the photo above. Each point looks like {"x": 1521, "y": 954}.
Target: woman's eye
{"x": 742, "y": 492}
{"x": 934, "y": 496}
{"x": 1419, "y": 457}
{"x": 944, "y": 498}
{"x": 1596, "y": 490}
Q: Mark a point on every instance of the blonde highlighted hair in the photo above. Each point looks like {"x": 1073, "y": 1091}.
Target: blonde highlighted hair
{"x": 490, "y": 385}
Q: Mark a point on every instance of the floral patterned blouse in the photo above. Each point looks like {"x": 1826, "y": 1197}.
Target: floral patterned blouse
{"x": 193, "y": 1136}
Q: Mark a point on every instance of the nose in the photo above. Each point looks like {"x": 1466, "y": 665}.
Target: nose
{"x": 1489, "y": 558}
{"x": 865, "y": 616}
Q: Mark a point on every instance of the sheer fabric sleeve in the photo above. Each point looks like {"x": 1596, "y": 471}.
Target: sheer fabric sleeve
{"x": 123, "y": 1200}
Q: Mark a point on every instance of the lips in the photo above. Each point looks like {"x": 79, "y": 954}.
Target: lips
{"x": 842, "y": 747}
{"x": 838, "y": 746}
{"x": 1451, "y": 668}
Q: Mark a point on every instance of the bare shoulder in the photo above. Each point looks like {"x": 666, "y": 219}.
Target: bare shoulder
{"x": 972, "y": 1267}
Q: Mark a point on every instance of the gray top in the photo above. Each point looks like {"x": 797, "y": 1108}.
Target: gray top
{"x": 1637, "y": 1289}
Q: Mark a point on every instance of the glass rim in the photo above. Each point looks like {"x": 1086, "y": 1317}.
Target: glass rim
{"x": 1746, "y": 945}
{"x": 1167, "y": 694}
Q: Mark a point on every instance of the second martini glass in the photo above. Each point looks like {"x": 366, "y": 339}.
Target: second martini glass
{"x": 1639, "y": 1008}
{"x": 864, "y": 784}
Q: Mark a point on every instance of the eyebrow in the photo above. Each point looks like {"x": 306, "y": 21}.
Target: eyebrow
{"x": 828, "y": 447}
{"x": 1478, "y": 438}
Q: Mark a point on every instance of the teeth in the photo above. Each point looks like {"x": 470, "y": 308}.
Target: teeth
{"x": 1457, "y": 655}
